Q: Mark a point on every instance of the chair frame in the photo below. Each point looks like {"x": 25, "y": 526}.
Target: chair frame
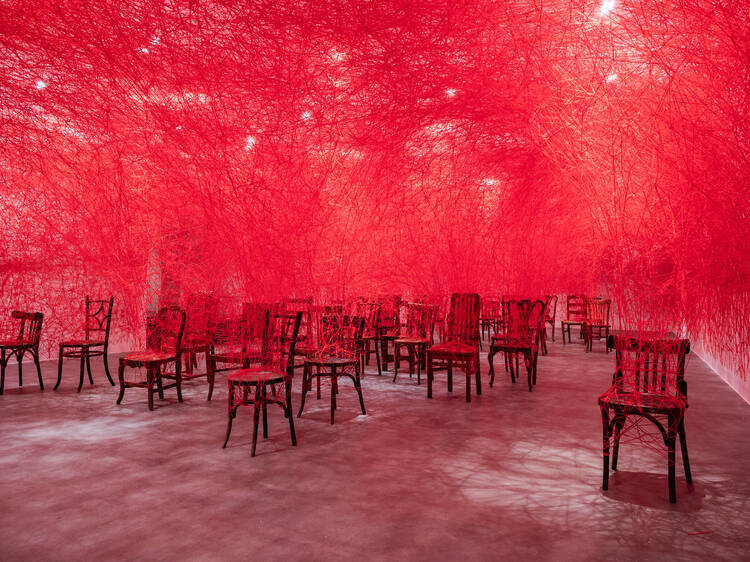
{"x": 86, "y": 349}
{"x": 27, "y": 340}
{"x": 597, "y": 309}
{"x": 420, "y": 325}
{"x": 154, "y": 366}
{"x": 576, "y": 308}
{"x": 655, "y": 350}
{"x": 461, "y": 348}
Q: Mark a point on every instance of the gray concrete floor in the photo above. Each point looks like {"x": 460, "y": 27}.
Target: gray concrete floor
{"x": 512, "y": 475}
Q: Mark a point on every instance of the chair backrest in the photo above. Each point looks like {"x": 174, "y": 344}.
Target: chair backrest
{"x": 304, "y": 305}
{"x": 463, "y": 319}
{"x": 576, "y": 308}
{"x": 650, "y": 366}
{"x": 370, "y": 312}
{"x": 280, "y": 338}
{"x": 597, "y": 311}
{"x": 550, "y": 307}
{"x": 30, "y": 327}
{"x": 523, "y": 321}
{"x": 200, "y": 315}
{"x": 98, "y": 318}
{"x": 166, "y": 329}
{"x": 340, "y": 336}
{"x": 390, "y": 312}
{"x": 420, "y": 320}
{"x": 491, "y": 308}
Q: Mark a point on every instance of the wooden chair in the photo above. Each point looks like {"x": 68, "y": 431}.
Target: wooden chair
{"x": 236, "y": 336}
{"x": 269, "y": 381}
{"x": 461, "y": 347}
{"x": 95, "y": 340}
{"x": 597, "y": 322}
{"x": 165, "y": 336}
{"x": 370, "y": 311}
{"x": 490, "y": 317}
{"x": 521, "y": 336}
{"x": 389, "y": 328}
{"x": 26, "y": 340}
{"x": 648, "y": 383}
{"x": 417, "y": 337}
{"x": 337, "y": 356}
{"x": 200, "y": 314}
{"x": 306, "y": 338}
{"x": 575, "y": 316}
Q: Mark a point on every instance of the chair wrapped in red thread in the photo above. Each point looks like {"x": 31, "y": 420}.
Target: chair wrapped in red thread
{"x": 575, "y": 315}
{"x": 26, "y": 339}
{"x": 522, "y": 327}
{"x": 165, "y": 337}
{"x": 648, "y": 385}
{"x": 597, "y": 323}
{"x": 415, "y": 338}
{"x": 338, "y": 355}
{"x": 270, "y": 380}
{"x": 461, "y": 347}
{"x": 550, "y": 313}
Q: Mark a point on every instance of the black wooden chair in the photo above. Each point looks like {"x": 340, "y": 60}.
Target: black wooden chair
{"x": 550, "y": 313}
{"x": 389, "y": 327}
{"x": 269, "y": 381}
{"x": 461, "y": 348}
{"x": 490, "y": 317}
{"x": 165, "y": 336}
{"x": 26, "y": 339}
{"x": 338, "y": 356}
{"x": 522, "y": 327}
{"x": 95, "y": 342}
{"x": 416, "y": 338}
{"x": 648, "y": 383}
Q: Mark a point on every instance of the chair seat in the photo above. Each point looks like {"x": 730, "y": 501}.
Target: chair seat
{"x": 412, "y": 341}
{"x": 256, "y": 375}
{"x": 501, "y": 342}
{"x": 453, "y": 348}
{"x": 149, "y": 357}
{"x": 331, "y": 361}
{"x": 15, "y": 343}
{"x": 649, "y": 403}
{"x": 81, "y": 343}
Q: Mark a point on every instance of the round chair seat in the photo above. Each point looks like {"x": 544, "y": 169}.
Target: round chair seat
{"x": 81, "y": 343}
{"x": 253, "y": 376}
{"x": 331, "y": 361}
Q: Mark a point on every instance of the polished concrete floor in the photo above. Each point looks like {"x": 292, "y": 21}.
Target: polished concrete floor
{"x": 512, "y": 475}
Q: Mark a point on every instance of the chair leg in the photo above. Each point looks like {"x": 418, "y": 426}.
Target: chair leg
{"x": 450, "y": 376}
{"x": 59, "y": 368}
{"x": 265, "y": 410}
{"x": 490, "y": 359}
{"x": 683, "y": 446}
{"x": 19, "y": 357}
{"x": 529, "y": 369}
{"x": 396, "y": 362}
{"x": 477, "y": 375}
{"x": 88, "y": 368}
{"x": 106, "y": 368}
{"x": 468, "y": 386}
{"x": 121, "y": 380}
{"x": 605, "y": 446}
{"x": 2, "y": 370}
{"x": 553, "y": 331}
{"x": 83, "y": 367}
{"x": 230, "y": 416}
{"x": 358, "y": 387}
{"x": 430, "y": 375}
{"x": 333, "y": 392}
{"x": 159, "y": 383}
{"x": 35, "y": 354}
{"x": 671, "y": 462}
{"x": 178, "y": 378}
{"x": 289, "y": 412}
{"x": 306, "y": 371}
{"x": 256, "y": 416}
{"x": 377, "y": 357}
{"x": 617, "y": 425}
{"x": 150, "y": 387}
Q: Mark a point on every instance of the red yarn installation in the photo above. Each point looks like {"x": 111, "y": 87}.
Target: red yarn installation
{"x": 338, "y": 149}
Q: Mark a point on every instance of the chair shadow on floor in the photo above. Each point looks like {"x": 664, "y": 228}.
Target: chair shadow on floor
{"x": 646, "y": 489}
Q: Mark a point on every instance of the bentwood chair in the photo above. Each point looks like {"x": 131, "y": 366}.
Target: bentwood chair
{"x": 522, "y": 327}
{"x": 337, "y": 356}
{"x": 648, "y": 384}
{"x": 270, "y": 380}
{"x": 389, "y": 328}
{"x": 491, "y": 316}
{"x": 165, "y": 336}
{"x": 26, "y": 340}
{"x": 95, "y": 342}
{"x": 576, "y": 315}
{"x": 597, "y": 322}
{"x": 417, "y": 337}
{"x": 200, "y": 314}
{"x": 461, "y": 348}
{"x": 550, "y": 313}
{"x": 370, "y": 311}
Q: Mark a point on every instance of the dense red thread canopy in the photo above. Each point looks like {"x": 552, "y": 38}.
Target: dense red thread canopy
{"x": 338, "y": 148}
